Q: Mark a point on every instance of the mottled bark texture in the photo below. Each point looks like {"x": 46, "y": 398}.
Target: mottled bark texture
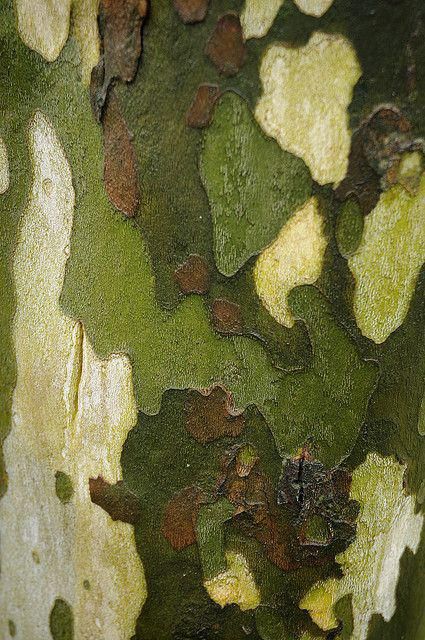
{"x": 212, "y": 347}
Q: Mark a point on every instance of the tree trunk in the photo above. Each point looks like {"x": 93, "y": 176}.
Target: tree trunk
{"x": 212, "y": 345}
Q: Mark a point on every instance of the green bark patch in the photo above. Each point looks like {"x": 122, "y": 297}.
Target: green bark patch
{"x": 61, "y": 621}
{"x": 252, "y": 185}
{"x": 349, "y": 228}
{"x": 63, "y": 487}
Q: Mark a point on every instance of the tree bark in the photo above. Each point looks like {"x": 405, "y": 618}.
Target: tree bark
{"x": 212, "y": 349}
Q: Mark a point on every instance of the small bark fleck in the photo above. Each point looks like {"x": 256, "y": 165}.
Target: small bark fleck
{"x": 191, "y": 11}
{"x": 226, "y": 47}
{"x": 227, "y": 316}
{"x": 200, "y": 111}
{"x": 193, "y": 275}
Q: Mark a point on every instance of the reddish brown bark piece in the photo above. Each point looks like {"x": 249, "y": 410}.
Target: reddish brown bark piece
{"x": 256, "y": 510}
{"x": 226, "y": 47}
{"x": 179, "y": 521}
{"x": 208, "y": 417}
{"x": 191, "y": 11}
{"x": 200, "y": 111}
{"x": 193, "y": 275}
{"x": 120, "y": 164}
{"x": 115, "y": 499}
{"x": 227, "y": 316}
{"x": 120, "y": 24}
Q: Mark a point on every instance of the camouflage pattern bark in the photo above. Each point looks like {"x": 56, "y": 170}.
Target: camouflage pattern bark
{"x": 212, "y": 349}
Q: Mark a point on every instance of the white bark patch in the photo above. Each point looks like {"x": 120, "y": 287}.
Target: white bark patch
{"x": 293, "y": 259}
{"x": 306, "y": 92}
{"x": 4, "y": 168}
{"x": 43, "y": 25}
{"x": 71, "y": 412}
{"x": 386, "y": 526}
{"x": 386, "y": 265}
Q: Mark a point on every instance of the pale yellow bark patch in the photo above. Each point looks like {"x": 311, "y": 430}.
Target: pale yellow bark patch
{"x": 44, "y": 25}
{"x": 314, "y": 8}
{"x": 4, "y": 168}
{"x": 258, "y": 16}
{"x": 84, "y": 28}
{"x": 71, "y": 412}
{"x": 236, "y": 585}
{"x": 293, "y": 259}
{"x": 386, "y": 526}
{"x": 387, "y": 263}
{"x": 306, "y": 92}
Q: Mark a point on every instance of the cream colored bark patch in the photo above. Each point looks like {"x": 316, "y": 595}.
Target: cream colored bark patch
{"x": 314, "y": 8}
{"x": 306, "y": 92}
{"x": 235, "y": 585}
{"x": 43, "y": 25}
{"x": 4, "y": 168}
{"x": 258, "y": 16}
{"x": 294, "y": 258}
{"x": 386, "y": 526}
{"x": 387, "y": 263}
{"x": 84, "y": 28}
{"x": 71, "y": 412}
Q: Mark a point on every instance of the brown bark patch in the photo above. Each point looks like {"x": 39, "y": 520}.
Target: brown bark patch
{"x": 120, "y": 164}
{"x": 200, "y": 111}
{"x": 120, "y": 23}
{"x": 115, "y": 499}
{"x": 226, "y": 47}
{"x": 227, "y": 316}
{"x": 179, "y": 521}
{"x": 191, "y": 11}
{"x": 193, "y": 275}
{"x": 208, "y": 416}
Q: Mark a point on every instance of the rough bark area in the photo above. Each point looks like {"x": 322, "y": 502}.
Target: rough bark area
{"x": 212, "y": 346}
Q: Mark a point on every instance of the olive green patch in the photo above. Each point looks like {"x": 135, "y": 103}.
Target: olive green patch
{"x": 63, "y": 487}
{"x": 12, "y": 628}
{"x": 61, "y": 621}
{"x": 252, "y": 185}
{"x": 349, "y": 228}
{"x": 210, "y": 536}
